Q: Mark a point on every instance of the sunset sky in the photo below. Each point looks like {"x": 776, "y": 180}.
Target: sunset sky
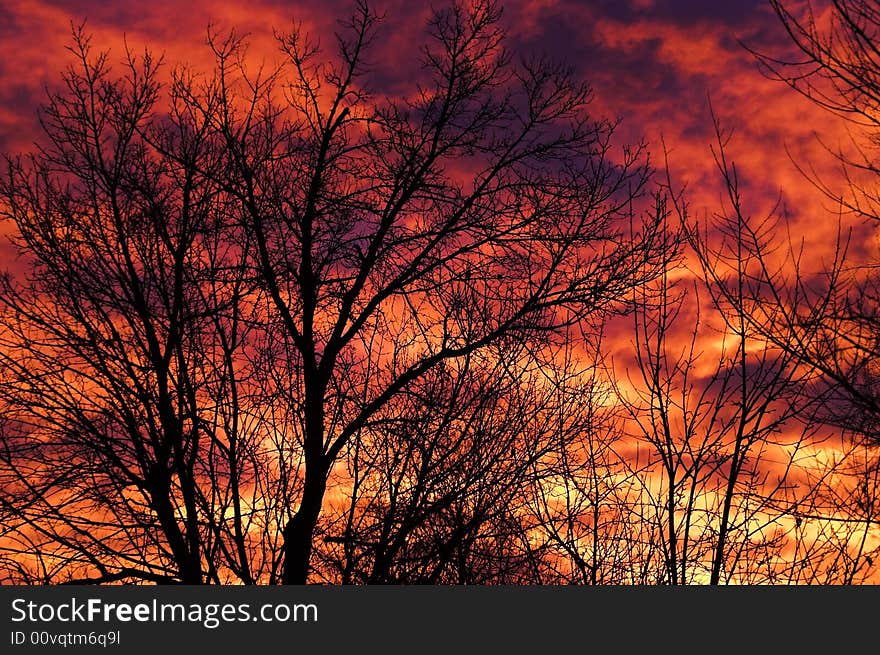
{"x": 656, "y": 66}
{"x": 652, "y": 63}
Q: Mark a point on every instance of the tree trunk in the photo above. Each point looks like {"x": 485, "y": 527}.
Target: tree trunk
{"x": 300, "y": 528}
{"x": 299, "y": 531}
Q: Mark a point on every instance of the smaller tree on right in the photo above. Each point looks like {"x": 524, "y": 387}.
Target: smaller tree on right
{"x": 830, "y": 319}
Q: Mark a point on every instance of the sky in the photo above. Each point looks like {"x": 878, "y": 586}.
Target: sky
{"x": 654, "y": 64}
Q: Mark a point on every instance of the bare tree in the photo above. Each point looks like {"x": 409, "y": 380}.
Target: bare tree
{"x": 130, "y": 451}
{"x": 828, "y": 318}
{"x": 790, "y": 415}
{"x": 98, "y": 326}
{"x": 230, "y": 284}
{"x": 762, "y": 401}
{"x": 581, "y": 502}
{"x": 714, "y": 402}
{"x": 393, "y": 235}
{"x": 437, "y": 478}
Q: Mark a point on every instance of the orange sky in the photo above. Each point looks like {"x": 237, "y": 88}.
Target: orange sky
{"x": 652, "y": 63}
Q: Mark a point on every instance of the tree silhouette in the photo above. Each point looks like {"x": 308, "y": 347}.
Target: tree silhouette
{"x": 330, "y": 318}
{"x": 829, "y": 321}
{"x": 229, "y": 282}
{"x": 380, "y": 255}
{"x": 130, "y": 444}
